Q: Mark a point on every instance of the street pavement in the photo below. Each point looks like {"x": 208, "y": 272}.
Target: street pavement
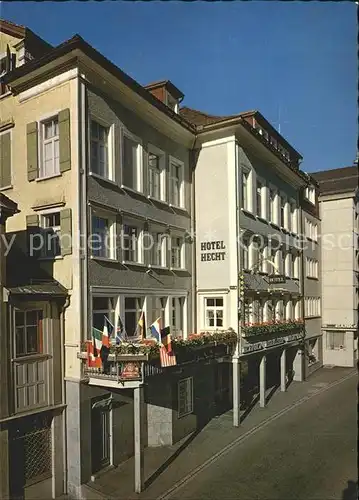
{"x": 301, "y": 446}
{"x": 309, "y": 453}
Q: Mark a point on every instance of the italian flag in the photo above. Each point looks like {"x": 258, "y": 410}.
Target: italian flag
{"x": 94, "y": 348}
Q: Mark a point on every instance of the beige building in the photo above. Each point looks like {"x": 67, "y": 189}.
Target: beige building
{"x": 339, "y": 213}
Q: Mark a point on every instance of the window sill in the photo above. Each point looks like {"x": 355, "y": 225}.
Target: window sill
{"x": 248, "y": 212}
{"x": 274, "y": 225}
{"x": 156, "y": 266}
{"x": 5, "y": 188}
{"x": 2, "y": 96}
{"x": 31, "y": 357}
{"x": 101, "y": 178}
{"x": 41, "y": 179}
{"x": 156, "y": 200}
{"x": 103, "y": 259}
{"x": 311, "y": 239}
{"x": 312, "y": 317}
{"x": 178, "y": 269}
{"x": 46, "y": 259}
{"x": 184, "y": 415}
{"x": 133, "y": 264}
{"x": 312, "y": 278}
{"x": 177, "y": 207}
{"x": 262, "y": 219}
{"x": 285, "y": 230}
{"x": 132, "y": 190}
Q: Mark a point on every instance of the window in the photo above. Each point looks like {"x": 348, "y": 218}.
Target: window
{"x": 279, "y": 310}
{"x": 158, "y": 309}
{"x": 133, "y": 309}
{"x": 254, "y": 264}
{"x": 244, "y": 190}
{"x": 335, "y": 341}
{"x": 28, "y": 333}
{"x": 295, "y": 266}
{"x": 154, "y": 176}
{"x": 102, "y": 308}
{"x": 293, "y": 217}
{"x": 172, "y": 102}
{"x": 254, "y": 315}
{"x": 289, "y": 310}
{"x": 288, "y": 265}
{"x": 100, "y": 150}
{"x": 177, "y": 320}
{"x": 311, "y": 268}
{"x": 272, "y": 206}
{"x": 309, "y": 193}
{"x": 50, "y": 164}
{"x": 214, "y": 312}
{"x": 259, "y": 199}
{"x": 311, "y": 306}
{"x": 282, "y": 211}
{"x": 51, "y": 233}
{"x": 244, "y": 254}
{"x": 269, "y": 310}
{"x": 311, "y": 230}
{"x": 262, "y": 263}
{"x": 312, "y": 351}
{"x": 176, "y": 183}
{"x": 291, "y": 265}
{"x": 158, "y": 251}
{"x": 101, "y": 238}
{"x": 176, "y": 252}
{"x": 130, "y": 243}
{"x": 185, "y": 397}
{"x": 131, "y": 162}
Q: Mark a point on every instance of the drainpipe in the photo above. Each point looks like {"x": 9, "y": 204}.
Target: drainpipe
{"x": 194, "y": 243}
{"x": 64, "y": 424}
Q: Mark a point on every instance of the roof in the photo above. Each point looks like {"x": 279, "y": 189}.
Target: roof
{"x": 339, "y": 180}
{"x": 200, "y": 118}
{"x": 19, "y": 31}
{"x": 177, "y": 94}
{"x": 77, "y": 42}
{"x": 7, "y": 204}
{"x": 52, "y": 288}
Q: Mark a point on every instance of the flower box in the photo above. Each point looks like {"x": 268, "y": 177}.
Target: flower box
{"x": 272, "y": 327}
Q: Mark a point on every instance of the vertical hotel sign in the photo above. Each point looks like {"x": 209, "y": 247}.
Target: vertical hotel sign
{"x": 212, "y": 251}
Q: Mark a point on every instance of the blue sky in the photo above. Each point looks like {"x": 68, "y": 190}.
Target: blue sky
{"x": 296, "y": 60}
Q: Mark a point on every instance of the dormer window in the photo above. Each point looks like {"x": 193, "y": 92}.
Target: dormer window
{"x": 172, "y": 103}
{"x": 310, "y": 194}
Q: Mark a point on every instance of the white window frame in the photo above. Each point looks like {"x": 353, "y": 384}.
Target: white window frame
{"x": 41, "y": 133}
{"x": 177, "y": 320}
{"x": 181, "y": 189}
{"x": 138, "y": 172}
{"x": 283, "y": 203}
{"x": 182, "y": 254}
{"x": 213, "y": 308}
{"x": 162, "y": 175}
{"x": 110, "y": 149}
{"x": 309, "y": 194}
{"x": 111, "y": 218}
{"x": 188, "y": 390}
{"x": 162, "y": 246}
{"x": 109, "y": 312}
{"x": 293, "y": 209}
{"x": 139, "y": 306}
{"x": 55, "y": 229}
{"x": 329, "y": 344}
{"x": 273, "y": 207}
{"x": 139, "y": 225}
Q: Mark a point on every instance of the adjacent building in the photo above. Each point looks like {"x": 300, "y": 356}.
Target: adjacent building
{"x": 339, "y": 213}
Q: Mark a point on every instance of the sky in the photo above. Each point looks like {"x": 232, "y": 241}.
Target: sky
{"x": 295, "y": 62}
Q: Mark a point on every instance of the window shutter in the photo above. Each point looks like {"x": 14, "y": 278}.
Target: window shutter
{"x": 66, "y": 231}
{"x": 5, "y": 160}
{"x": 65, "y": 145}
{"x": 32, "y": 225}
{"x": 32, "y": 151}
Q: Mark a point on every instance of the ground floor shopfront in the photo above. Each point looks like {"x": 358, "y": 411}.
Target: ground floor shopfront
{"x": 172, "y": 403}
{"x": 340, "y": 346}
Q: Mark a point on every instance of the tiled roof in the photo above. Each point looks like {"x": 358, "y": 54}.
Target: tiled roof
{"x": 338, "y": 180}
{"x": 199, "y": 118}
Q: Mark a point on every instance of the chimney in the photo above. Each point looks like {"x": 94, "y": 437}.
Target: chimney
{"x": 166, "y": 92}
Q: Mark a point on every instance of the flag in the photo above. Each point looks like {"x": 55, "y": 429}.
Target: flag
{"x": 166, "y": 339}
{"x": 120, "y": 331}
{"x": 156, "y": 330}
{"x": 141, "y": 325}
{"x": 93, "y": 359}
{"x": 107, "y": 332}
{"x": 167, "y": 358}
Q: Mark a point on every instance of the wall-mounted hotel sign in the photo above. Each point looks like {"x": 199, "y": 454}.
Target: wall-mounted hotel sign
{"x": 212, "y": 250}
{"x": 265, "y": 344}
{"x": 276, "y": 279}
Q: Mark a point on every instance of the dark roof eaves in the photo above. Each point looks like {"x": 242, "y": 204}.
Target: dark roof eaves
{"x": 77, "y": 42}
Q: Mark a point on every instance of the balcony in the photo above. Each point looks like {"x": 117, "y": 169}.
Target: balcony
{"x": 272, "y": 328}
{"x": 129, "y": 363}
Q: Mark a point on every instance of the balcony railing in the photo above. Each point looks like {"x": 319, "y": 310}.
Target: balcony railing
{"x": 130, "y": 363}
{"x": 273, "y": 328}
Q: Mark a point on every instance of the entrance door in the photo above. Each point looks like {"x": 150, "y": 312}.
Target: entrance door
{"x": 100, "y": 438}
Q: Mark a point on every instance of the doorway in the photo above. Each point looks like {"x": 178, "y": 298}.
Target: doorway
{"x": 100, "y": 435}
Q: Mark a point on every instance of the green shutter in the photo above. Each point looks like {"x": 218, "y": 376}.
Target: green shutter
{"x": 32, "y": 224}
{"x": 65, "y": 143}
{"x": 5, "y": 160}
{"x": 32, "y": 151}
{"x": 32, "y": 220}
{"x": 66, "y": 231}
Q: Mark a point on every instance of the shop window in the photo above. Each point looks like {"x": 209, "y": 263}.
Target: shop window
{"x": 335, "y": 341}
